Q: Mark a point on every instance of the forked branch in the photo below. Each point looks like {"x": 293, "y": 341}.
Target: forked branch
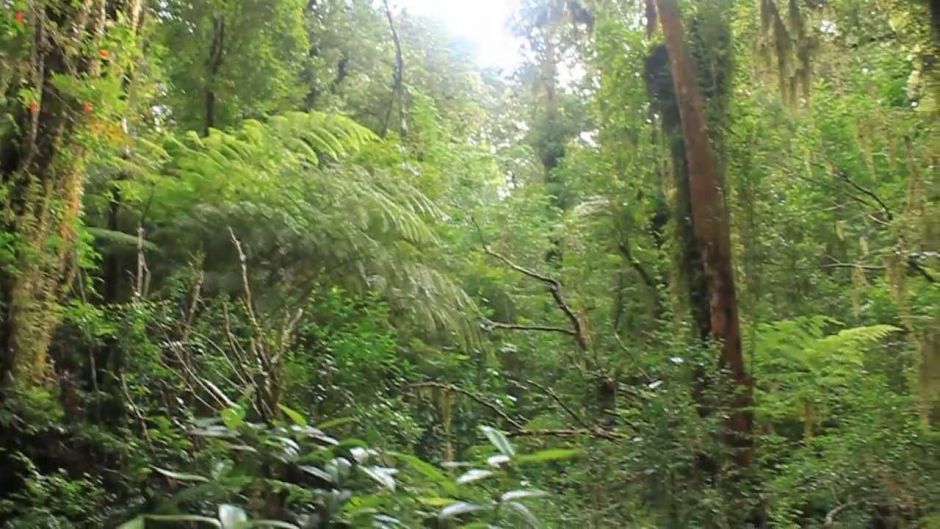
{"x": 554, "y": 288}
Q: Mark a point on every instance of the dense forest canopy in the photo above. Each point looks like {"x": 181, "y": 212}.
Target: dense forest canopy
{"x": 308, "y": 264}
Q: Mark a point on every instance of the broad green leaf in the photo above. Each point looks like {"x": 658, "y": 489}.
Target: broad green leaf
{"x": 434, "y": 501}
{"x": 232, "y": 517}
{"x": 473, "y": 475}
{"x": 498, "y": 460}
{"x": 429, "y": 471}
{"x": 180, "y": 476}
{"x": 381, "y": 475}
{"x": 316, "y": 472}
{"x": 526, "y": 514}
{"x": 381, "y": 521}
{"x": 552, "y": 454}
{"x": 233, "y": 416}
{"x": 184, "y": 518}
{"x": 498, "y": 440}
{"x": 271, "y": 523}
{"x": 522, "y": 494}
{"x": 458, "y": 508}
{"x": 136, "y": 523}
{"x": 294, "y": 415}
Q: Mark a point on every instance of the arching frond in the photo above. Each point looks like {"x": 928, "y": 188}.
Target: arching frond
{"x": 288, "y": 188}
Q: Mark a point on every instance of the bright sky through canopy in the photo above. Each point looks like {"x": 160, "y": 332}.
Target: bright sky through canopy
{"x": 483, "y": 22}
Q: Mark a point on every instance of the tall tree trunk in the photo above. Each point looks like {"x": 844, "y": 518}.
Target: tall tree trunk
{"x": 42, "y": 170}
{"x": 398, "y": 79}
{"x": 710, "y": 219}
{"x": 213, "y": 64}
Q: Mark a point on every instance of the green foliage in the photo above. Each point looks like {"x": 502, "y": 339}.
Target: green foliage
{"x": 282, "y": 292}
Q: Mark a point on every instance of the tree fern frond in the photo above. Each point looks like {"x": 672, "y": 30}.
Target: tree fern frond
{"x": 267, "y": 181}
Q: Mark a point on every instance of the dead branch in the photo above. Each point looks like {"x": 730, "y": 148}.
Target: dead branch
{"x": 518, "y": 430}
{"x": 142, "y": 281}
{"x": 243, "y": 261}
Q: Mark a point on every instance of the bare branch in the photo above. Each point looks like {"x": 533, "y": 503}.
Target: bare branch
{"x": 884, "y": 207}
{"x": 831, "y": 515}
{"x": 475, "y": 396}
{"x": 647, "y": 278}
{"x": 872, "y": 268}
{"x": 497, "y": 325}
{"x": 243, "y": 261}
{"x": 554, "y": 396}
{"x": 554, "y": 288}
{"x": 600, "y": 433}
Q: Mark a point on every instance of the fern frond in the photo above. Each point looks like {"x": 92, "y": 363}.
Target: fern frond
{"x": 289, "y": 189}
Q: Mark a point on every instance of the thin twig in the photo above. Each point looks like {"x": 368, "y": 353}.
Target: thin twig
{"x": 554, "y": 396}
{"x": 475, "y": 396}
{"x": 884, "y": 207}
{"x": 498, "y": 325}
{"x": 553, "y": 285}
{"x": 598, "y": 432}
{"x": 243, "y": 261}
{"x": 831, "y": 515}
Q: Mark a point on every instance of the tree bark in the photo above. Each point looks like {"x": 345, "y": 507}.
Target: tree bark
{"x": 398, "y": 78}
{"x": 213, "y": 64}
{"x": 42, "y": 166}
{"x": 710, "y": 220}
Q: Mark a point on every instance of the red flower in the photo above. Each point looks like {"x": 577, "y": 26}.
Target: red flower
{"x": 104, "y": 53}
{"x": 33, "y": 107}
{"x": 87, "y": 107}
{"x": 20, "y": 17}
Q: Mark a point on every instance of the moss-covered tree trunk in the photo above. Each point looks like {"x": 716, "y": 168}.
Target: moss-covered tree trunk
{"x": 61, "y": 65}
{"x": 710, "y": 219}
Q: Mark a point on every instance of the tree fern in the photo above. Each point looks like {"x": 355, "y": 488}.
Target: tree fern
{"x": 802, "y": 371}
{"x": 291, "y": 192}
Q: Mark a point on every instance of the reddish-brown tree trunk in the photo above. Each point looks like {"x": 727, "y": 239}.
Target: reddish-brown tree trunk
{"x": 711, "y": 228}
